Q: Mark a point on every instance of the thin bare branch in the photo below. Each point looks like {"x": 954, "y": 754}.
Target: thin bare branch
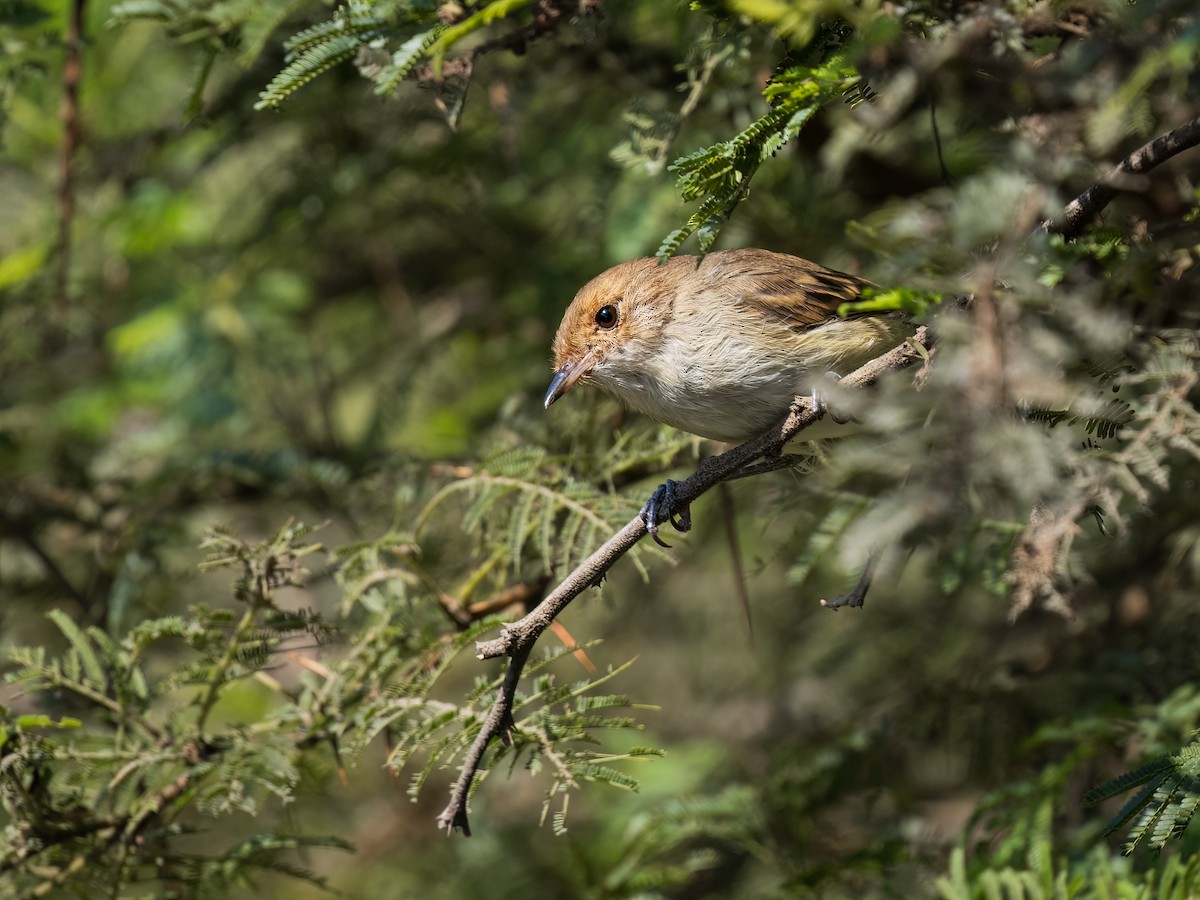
{"x": 1080, "y": 211}
{"x": 498, "y": 722}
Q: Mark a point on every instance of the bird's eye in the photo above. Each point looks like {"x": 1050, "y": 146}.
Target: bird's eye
{"x": 606, "y": 317}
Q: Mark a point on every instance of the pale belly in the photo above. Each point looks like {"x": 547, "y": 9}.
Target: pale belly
{"x": 726, "y": 391}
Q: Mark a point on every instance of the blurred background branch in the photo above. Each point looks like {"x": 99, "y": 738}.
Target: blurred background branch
{"x": 1083, "y": 209}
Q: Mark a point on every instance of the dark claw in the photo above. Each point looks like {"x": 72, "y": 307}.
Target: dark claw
{"x": 663, "y": 506}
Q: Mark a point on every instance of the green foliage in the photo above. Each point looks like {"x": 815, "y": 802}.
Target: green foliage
{"x": 541, "y": 506}
{"x": 719, "y": 176}
{"x": 674, "y": 845}
{"x": 653, "y": 131}
{"x": 113, "y": 796}
{"x": 366, "y": 30}
{"x": 1162, "y": 809}
{"x": 1031, "y": 859}
{"x": 341, "y": 313}
{"x": 911, "y": 301}
{"x": 152, "y": 759}
{"x": 256, "y": 855}
{"x": 1094, "y": 877}
{"x": 310, "y": 62}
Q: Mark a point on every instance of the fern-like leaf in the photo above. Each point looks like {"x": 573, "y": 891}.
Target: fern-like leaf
{"x": 1165, "y": 805}
{"x": 307, "y": 66}
{"x": 1128, "y": 781}
{"x": 719, "y": 176}
{"x": 356, "y": 18}
{"x": 404, "y": 60}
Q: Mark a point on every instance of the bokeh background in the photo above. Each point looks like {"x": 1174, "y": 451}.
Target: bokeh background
{"x": 329, "y": 312}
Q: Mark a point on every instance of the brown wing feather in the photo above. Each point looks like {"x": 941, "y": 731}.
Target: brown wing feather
{"x": 794, "y": 291}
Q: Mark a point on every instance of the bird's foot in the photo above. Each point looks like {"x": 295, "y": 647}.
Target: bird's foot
{"x": 664, "y": 506}
{"x": 819, "y": 403}
{"x": 856, "y": 597}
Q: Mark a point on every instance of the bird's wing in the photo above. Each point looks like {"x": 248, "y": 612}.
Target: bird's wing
{"x": 795, "y": 292}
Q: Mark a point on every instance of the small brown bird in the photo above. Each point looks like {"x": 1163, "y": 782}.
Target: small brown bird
{"x": 719, "y": 346}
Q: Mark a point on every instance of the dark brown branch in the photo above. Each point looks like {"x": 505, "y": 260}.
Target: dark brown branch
{"x": 498, "y": 722}
{"x": 516, "y": 639}
{"x": 1086, "y": 206}
{"x": 72, "y": 73}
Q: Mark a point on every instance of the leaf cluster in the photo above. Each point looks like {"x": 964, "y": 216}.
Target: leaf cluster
{"x": 148, "y": 756}
{"x": 719, "y": 175}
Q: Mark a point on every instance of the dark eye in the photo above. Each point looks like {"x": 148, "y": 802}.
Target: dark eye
{"x": 606, "y": 317}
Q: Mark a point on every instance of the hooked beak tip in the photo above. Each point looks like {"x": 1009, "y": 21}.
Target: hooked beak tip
{"x": 566, "y": 376}
{"x": 558, "y": 387}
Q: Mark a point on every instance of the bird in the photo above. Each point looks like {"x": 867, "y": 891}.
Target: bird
{"x": 720, "y": 345}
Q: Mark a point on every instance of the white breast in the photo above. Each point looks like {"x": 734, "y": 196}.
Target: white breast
{"x": 728, "y": 386}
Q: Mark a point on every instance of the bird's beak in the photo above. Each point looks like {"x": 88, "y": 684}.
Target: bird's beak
{"x": 568, "y": 373}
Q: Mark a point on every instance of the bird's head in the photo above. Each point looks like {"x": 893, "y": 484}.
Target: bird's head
{"x": 614, "y": 321}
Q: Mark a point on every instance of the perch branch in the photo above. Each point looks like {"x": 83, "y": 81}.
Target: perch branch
{"x": 499, "y": 721}
{"x": 516, "y": 639}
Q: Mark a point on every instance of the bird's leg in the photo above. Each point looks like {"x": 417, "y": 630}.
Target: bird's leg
{"x": 859, "y": 594}
{"x": 664, "y": 506}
